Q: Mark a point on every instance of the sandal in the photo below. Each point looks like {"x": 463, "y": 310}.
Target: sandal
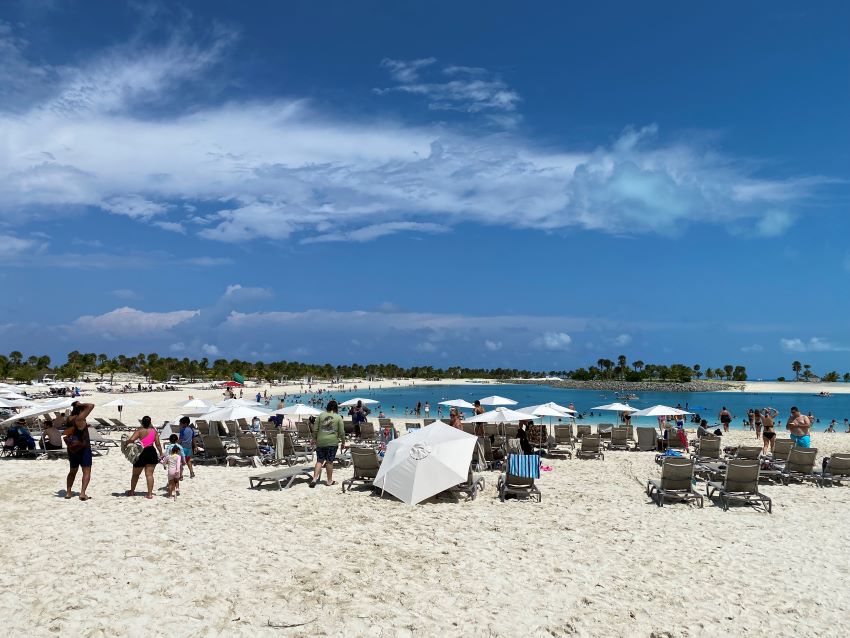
{"x": 130, "y": 493}
{"x": 85, "y": 498}
{"x": 312, "y": 484}
{"x": 331, "y": 483}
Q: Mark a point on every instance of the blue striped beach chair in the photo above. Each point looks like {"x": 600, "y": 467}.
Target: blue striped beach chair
{"x": 518, "y": 479}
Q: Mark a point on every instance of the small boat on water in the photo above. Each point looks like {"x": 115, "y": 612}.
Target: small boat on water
{"x": 627, "y": 396}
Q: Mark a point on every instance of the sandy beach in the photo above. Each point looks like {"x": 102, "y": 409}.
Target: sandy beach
{"x": 595, "y": 558}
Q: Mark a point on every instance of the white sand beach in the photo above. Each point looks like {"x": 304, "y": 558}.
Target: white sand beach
{"x": 595, "y": 558}
{"x": 792, "y": 387}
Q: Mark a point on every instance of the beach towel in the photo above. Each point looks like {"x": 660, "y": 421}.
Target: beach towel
{"x": 524, "y": 465}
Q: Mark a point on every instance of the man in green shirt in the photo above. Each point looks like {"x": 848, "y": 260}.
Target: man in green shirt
{"x": 328, "y": 431}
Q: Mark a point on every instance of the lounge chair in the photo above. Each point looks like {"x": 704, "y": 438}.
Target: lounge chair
{"x": 474, "y": 484}
{"x": 673, "y": 442}
{"x": 103, "y": 424}
{"x": 837, "y": 469}
{"x": 740, "y": 483}
{"x": 428, "y": 421}
{"x": 604, "y": 430}
{"x": 469, "y": 428}
{"x": 248, "y": 448}
{"x": 591, "y": 447}
{"x": 287, "y": 451}
{"x": 303, "y": 431}
{"x": 509, "y": 430}
{"x": 647, "y": 439}
{"x": 100, "y": 443}
{"x": 213, "y": 449}
{"x": 800, "y": 466}
{"x": 283, "y": 477}
{"x": 564, "y": 436}
{"x": 781, "y": 450}
{"x": 408, "y": 426}
{"x": 232, "y": 430}
{"x": 709, "y": 450}
{"x": 676, "y": 482}
{"x": 619, "y": 438}
{"x": 366, "y": 464}
{"x": 368, "y": 434}
{"x": 519, "y": 476}
{"x": 751, "y": 452}
{"x": 582, "y": 430}
{"x": 203, "y": 427}
{"x": 118, "y": 424}
{"x": 491, "y": 429}
{"x": 384, "y": 422}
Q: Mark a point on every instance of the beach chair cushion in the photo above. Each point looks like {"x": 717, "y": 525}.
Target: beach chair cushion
{"x": 524, "y": 465}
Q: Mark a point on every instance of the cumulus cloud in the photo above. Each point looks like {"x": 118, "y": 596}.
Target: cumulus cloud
{"x": 273, "y": 168}
{"x": 128, "y": 321}
{"x": 19, "y": 248}
{"x": 774, "y": 223}
{"x": 492, "y": 346}
{"x": 622, "y": 339}
{"x": 211, "y": 350}
{"x": 815, "y": 344}
{"x": 753, "y": 348}
{"x": 552, "y": 341}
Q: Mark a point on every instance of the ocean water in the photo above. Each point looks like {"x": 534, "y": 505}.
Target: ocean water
{"x": 395, "y": 401}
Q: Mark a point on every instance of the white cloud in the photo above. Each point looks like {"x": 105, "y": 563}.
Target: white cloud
{"x": 552, "y": 341}
{"x": 774, "y": 223}
{"x": 274, "y": 168}
{"x": 492, "y": 346}
{"x": 622, "y": 339}
{"x": 752, "y": 348}
{"x": 210, "y": 350}
{"x": 177, "y": 347}
{"x": 815, "y": 344}
{"x": 131, "y": 322}
{"x": 20, "y": 249}
{"x": 237, "y": 292}
{"x": 426, "y": 346}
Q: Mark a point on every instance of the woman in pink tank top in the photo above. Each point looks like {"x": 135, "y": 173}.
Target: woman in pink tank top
{"x": 149, "y": 458}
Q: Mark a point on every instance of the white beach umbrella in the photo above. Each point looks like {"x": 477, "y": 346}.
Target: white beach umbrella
{"x": 542, "y": 410}
{"x": 299, "y": 409}
{"x": 232, "y": 403}
{"x": 501, "y": 415}
{"x": 120, "y": 403}
{"x": 555, "y": 406}
{"x": 616, "y": 407}
{"x": 457, "y": 403}
{"x": 660, "y": 410}
{"x": 8, "y": 394}
{"x": 496, "y": 400}
{"x": 235, "y": 412}
{"x": 354, "y": 401}
{"x": 41, "y": 408}
{"x": 194, "y": 403}
{"x": 425, "y": 462}
{"x": 16, "y": 403}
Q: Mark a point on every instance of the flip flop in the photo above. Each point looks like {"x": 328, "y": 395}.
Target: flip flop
{"x": 130, "y": 493}
{"x": 85, "y": 498}
{"x": 69, "y": 497}
{"x": 332, "y": 483}
{"x": 312, "y": 484}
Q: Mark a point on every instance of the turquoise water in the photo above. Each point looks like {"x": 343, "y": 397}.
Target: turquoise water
{"x": 394, "y": 401}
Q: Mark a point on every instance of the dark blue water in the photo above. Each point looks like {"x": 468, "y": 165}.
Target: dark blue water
{"x": 396, "y": 401}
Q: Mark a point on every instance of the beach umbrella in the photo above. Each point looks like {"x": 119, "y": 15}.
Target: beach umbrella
{"x": 457, "y": 403}
{"x": 57, "y": 405}
{"x": 299, "y": 409}
{"x": 501, "y": 415}
{"x": 230, "y": 403}
{"x": 120, "y": 403}
{"x": 16, "y": 403}
{"x": 425, "y": 462}
{"x": 235, "y": 412}
{"x": 542, "y": 410}
{"x": 232, "y": 384}
{"x": 660, "y": 410}
{"x": 194, "y": 403}
{"x": 616, "y": 407}
{"x": 496, "y": 400}
{"x": 354, "y": 401}
{"x": 8, "y": 394}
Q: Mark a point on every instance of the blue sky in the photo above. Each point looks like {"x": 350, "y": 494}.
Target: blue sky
{"x": 447, "y": 183}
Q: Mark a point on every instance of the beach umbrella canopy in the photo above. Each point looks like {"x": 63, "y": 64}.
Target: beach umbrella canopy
{"x": 232, "y": 384}
{"x": 299, "y": 409}
{"x": 8, "y": 394}
{"x": 194, "y": 404}
{"x": 616, "y": 407}
{"x": 457, "y": 403}
{"x": 230, "y": 403}
{"x": 354, "y": 401}
{"x": 660, "y": 410}
{"x": 120, "y": 402}
{"x": 16, "y": 403}
{"x": 235, "y": 412}
{"x": 42, "y": 408}
{"x": 425, "y": 462}
{"x": 501, "y": 415}
{"x": 496, "y": 400}
{"x": 543, "y": 410}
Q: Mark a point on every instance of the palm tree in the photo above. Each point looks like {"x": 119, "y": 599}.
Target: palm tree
{"x": 709, "y": 373}
{"x": 807, "y": 372}
{"x": 846, "y": 377}
{"x": 15, "y": 358}
{"x": 697, "y": 372}
{"x": 728, "y": 370}
{"x": 637, "y": 365}
{"x": 796, "y": 366}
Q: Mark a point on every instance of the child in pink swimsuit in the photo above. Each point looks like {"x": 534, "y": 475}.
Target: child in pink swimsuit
{"x": 174, "y": 462}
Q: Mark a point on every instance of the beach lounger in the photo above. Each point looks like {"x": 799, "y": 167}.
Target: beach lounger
{"x": 366, "y": 463}
{"x": 708, "y": 451}
{"x": 469, "y": 428}
{"x": 781, "y": 450}
{"x": 287, "y": 451}
{"x": 203, "y": 427}
{"x": 751, "y": 452}
{"x": 491, "y": 429}
{"x": 509, "y": 430}
{"x": 428, "y": 421}
{"x": 99, "y": 442}
{"x": 120, "y": 425}
{"x": 384, "y": 422}
{"x": 303, "y": 431}
{"x": 564, "y": 436}
{"x": 800, "y": 466}
{"x": 604, "y": 430}
{"x": 474, "y": 484}
{"x": 283, "y": 477}
{"x": 232, "y": 430}
{"x": 582, "y": 430}
{"x": 673, "y": 442}
{"x": 676, "y": 482}
{"x": 213, "y": 449}
{"x": 518, "y": 479}
{"x": 368, "y": 433}
{"x": 103, "y": 424}
{"x": 740, "y": 483}
{"x": 619, "y": 438}
{"x": 486, "y": 450}
{"x": 591, "y": 447}
{"x": 248, "y": 448}
{"x": 837, "y": 469}
{"x": 647, "y": 439}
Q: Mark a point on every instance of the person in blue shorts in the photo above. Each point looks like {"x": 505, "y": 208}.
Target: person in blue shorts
{"x": 799, "y": 426}
{"x": 79, "y": 447}
{"x": 329, "y": 431}
{"x": 187, "y": 438}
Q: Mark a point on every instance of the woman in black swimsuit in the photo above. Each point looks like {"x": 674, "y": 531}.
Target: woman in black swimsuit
{"x": 769, "y": 434}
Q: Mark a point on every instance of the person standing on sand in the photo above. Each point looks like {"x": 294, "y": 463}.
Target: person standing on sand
{"x": 187, "y": 442}
{"x": 454, "y": 419}
{"x": 799, "y": 425}
{"x": 769, "y": 434}
{"x": 329, "y": 431}
{"x": 478, "y": 409}
{"x": 757, "y": 418}
{"x": 725, "y": 418}
{"x": 79, "y": 448}
{"x": 427, "y": 409}
{"x": 751, "y": 419}
{"x": 148, "y": 459}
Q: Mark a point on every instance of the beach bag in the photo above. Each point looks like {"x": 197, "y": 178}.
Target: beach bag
{"x": 131, "y": 451}
{"x": 73, "y": 441}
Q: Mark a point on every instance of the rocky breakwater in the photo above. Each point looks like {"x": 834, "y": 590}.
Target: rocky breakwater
{"x": 613, "y": 385}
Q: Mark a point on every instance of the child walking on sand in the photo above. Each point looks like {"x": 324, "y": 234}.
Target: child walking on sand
{"x": 174, "y": 463}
